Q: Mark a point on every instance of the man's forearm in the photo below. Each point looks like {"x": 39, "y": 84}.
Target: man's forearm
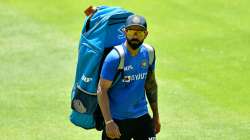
{"x": 103, "y": 101}
{"x": 152, "y": 96}
{"x": 152, "y": 92}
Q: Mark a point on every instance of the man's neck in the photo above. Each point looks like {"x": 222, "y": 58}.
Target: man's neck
{"x": 131, "y": 51}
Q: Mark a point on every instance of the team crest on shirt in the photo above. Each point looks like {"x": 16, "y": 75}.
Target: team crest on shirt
{"x": 144, "y": 64}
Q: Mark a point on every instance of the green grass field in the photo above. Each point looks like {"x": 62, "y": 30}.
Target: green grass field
{"x": 203, "y": 70}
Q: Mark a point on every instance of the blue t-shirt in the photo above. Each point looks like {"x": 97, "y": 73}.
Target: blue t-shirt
{"x": 127, "y": 96}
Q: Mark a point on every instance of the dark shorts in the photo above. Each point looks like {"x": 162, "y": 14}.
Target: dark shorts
{"x": 139, "y": 129}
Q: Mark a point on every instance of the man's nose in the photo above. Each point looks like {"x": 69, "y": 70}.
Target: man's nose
{"x": 136, "y": 36}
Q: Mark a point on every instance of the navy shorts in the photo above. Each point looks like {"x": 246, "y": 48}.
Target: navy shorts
{"x": 139, "y": 129}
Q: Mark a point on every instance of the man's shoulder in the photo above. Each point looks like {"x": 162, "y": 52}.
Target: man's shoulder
{"x": 151, "y": 52}
{"x": 148, "y": 46}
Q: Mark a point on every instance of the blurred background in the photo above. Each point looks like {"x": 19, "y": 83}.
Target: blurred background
{"x": 203, "y": 70}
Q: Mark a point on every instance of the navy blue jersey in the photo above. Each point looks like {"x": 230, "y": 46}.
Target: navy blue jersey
{"x": 127, "y": 96}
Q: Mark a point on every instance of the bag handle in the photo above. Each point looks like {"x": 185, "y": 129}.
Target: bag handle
{"x": 89, "y": 12}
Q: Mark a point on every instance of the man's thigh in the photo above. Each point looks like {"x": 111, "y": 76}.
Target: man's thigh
{"x": 145, "y": 129}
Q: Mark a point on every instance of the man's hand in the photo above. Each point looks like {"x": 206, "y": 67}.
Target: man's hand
{"x": 157, "y": 124}
{"x": 112, "y": 130}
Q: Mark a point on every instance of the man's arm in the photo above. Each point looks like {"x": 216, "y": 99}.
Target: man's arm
{"x": 112, "y": 129}
{"x": 152, "y": 95}
{"x": 151, "y": 92}
{"x": 103, "y": 100}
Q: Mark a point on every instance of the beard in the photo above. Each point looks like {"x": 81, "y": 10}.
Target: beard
{"x": 134, "y": 43}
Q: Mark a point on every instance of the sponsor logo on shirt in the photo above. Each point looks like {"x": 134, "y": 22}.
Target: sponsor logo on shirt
{"x": 129, "y": 67}
{"x": 134, "y": 77}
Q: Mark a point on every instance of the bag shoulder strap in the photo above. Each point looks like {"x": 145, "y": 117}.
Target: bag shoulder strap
{"x": 120, "y": 69}
{"x": 151, "y": 53}
{"x": 119, "y": 49}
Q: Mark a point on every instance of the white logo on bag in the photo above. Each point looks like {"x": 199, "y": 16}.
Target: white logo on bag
{"x": 120, "y": 32}
{"x": 86, "y": 79}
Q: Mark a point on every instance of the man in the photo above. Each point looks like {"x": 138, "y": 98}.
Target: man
{"x": 124, "y": 105}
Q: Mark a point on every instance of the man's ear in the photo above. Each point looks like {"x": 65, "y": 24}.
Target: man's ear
{"x": 146, "y": 34}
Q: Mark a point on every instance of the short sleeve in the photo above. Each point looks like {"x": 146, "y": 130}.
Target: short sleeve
{"x": 152, "y": 67}
{"x": 110, "y": 66}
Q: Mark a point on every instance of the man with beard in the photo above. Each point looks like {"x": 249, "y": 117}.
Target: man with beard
{"x": 123, "y": 104}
